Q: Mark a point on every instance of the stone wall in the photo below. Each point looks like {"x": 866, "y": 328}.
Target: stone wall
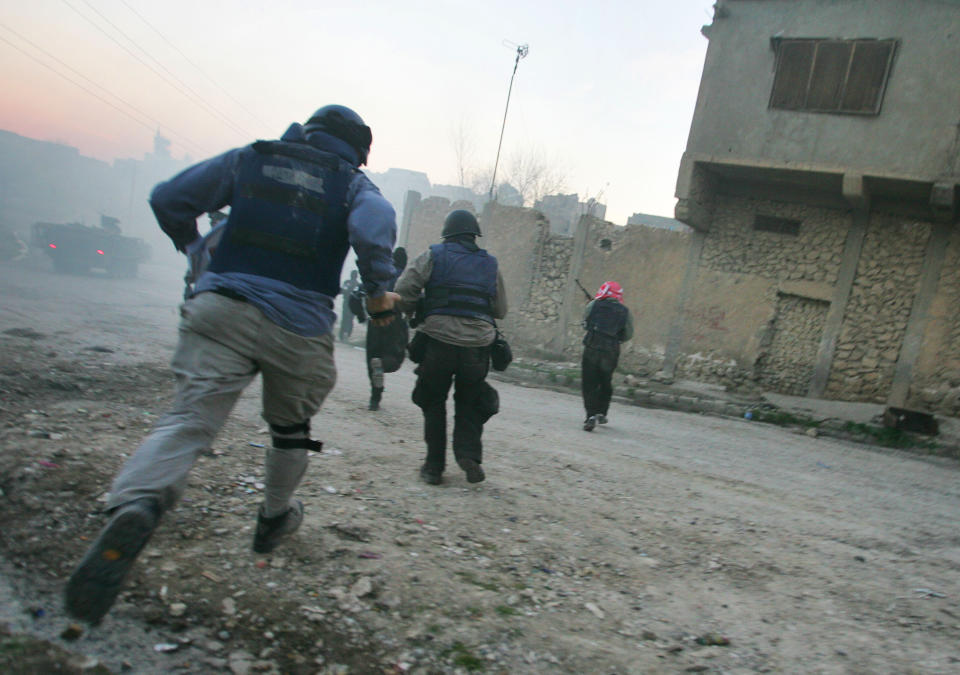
{"x": 787, "y": 358}
{"x": 812, "y": 255}
{"x": 876, "y": 315}
{"x": 756, "y": 302}
{"x": 537, "y": 321}
{"x": 760, "y": 295}
{"x": 516, "y": 235}
{"x": 936, "y": 381}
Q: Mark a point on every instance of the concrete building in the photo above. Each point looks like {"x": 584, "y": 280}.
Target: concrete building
{"x": 565, "y": 211}
{"x": 821, "y": 177}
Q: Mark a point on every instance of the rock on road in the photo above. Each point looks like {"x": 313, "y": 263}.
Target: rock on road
{"x": 631, "y": 549}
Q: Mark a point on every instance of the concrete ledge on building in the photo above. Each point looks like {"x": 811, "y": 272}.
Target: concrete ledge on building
{"x": 858, "y": 422}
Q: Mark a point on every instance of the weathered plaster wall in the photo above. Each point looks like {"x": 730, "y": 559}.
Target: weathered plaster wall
{"x": 861, "y": 305}
{"x": 918, "y": 120}
{"x": 876, "y": 315}
{"x": 723, "y": 324}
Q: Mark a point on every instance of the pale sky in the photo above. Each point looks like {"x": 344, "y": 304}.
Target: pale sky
{"x": 606, "y": 93}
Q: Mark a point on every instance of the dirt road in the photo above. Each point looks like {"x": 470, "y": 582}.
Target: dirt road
{"x": 662, "y": 542}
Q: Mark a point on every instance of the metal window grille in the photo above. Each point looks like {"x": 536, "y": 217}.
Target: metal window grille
{"x": 831, "y": 76}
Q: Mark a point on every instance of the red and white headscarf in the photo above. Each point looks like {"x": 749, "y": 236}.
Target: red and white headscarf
{"x": 610, "y": 289}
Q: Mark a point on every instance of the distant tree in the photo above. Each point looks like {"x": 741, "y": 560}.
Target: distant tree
{"x": 479, "y": 180}
{"x": 464, "y": 147}
{"x": 529, "y": 171}
{"x": 533, "y": 174}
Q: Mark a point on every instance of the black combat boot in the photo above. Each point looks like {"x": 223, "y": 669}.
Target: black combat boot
{"x": 376, "y": 383}
{"x": 472, "y": 468}
{"x": 430, "y": 476}
{"x": 95, "y": 584}
{"x": 271, "y": 530}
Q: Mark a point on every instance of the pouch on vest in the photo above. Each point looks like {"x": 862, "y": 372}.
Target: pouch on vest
{"x": 500, "y": 353}
{"x": 417, "y": 348}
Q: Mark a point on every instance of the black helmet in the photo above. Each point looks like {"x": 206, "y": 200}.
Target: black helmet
{"x": 342, "y": 122}
{"x": 460, "y": 222}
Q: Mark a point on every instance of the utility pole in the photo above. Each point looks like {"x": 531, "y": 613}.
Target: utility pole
{"x": 522, "y": 51}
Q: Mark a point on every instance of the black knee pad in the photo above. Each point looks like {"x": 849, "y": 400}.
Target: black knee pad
{"x": 290, "y": 429}
{"x": 279, "y": 434}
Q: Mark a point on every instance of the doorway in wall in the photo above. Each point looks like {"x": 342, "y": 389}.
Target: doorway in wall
{"x": 790, "y": 347}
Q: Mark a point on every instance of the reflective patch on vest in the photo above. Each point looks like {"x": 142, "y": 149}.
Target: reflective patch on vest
{"x": 294, "y": 177}
{"x": 285, "y": 196}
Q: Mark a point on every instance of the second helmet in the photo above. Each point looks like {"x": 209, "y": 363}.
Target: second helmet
{"x": 460, "y": 221}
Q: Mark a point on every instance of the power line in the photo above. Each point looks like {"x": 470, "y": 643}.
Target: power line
{"x": 188, "y": 60}
{"x": 210, "y": 107}
{"x": 183, "y": 139}
{"x": 204, "y": 105}
{"x": 74, "y": 82}
{"x": 169, "y": 72}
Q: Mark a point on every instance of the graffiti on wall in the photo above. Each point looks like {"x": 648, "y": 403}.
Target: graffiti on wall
{"x": 703, "y": 321}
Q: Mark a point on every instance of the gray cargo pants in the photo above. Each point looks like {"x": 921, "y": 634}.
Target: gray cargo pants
{"x": 223, "y": 344}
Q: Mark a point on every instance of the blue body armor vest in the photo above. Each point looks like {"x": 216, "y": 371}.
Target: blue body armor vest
{"x": 463, "y": 282}
{"x": 288, "y": 220}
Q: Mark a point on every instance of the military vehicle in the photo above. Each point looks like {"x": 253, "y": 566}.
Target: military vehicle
{"x": 75, "y": 248}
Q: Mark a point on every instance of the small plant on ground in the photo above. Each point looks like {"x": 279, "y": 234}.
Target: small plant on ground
{"x": 463, "y": 657}
{"x": 471, "y": 578}
{"x": 888, "y": 437}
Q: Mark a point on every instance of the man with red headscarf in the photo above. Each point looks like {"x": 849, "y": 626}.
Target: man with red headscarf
{"x": 608, "y": 323}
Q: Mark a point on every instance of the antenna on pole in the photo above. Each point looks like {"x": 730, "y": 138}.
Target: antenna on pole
{"x": 522, "y": 51}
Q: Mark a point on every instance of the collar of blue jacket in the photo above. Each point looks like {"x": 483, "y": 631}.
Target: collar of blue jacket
{"x": 322, "y": 141}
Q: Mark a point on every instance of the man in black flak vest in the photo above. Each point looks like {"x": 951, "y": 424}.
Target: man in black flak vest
{"x": 262, "y": 302}
{"x": 346, "y": 313}
{"x": 608, "y": 323}
{"x": 463, "y": 294}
